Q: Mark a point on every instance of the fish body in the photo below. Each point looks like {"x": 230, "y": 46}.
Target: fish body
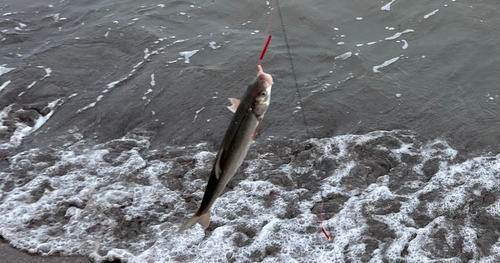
{"x": 248, "y": 114}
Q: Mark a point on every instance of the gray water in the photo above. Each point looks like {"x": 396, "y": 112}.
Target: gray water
{"x": 112, "y": 113}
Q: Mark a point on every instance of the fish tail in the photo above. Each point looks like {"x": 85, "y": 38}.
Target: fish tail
{"x": 203, "y": 219}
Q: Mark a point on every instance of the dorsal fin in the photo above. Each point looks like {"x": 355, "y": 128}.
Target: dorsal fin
{"x": 234, "y": 104}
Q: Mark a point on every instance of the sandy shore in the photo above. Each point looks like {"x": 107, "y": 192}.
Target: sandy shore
{"x": 9, "y": 254}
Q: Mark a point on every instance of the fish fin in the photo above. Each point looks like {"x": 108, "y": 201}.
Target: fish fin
{"x": 218, "y": 171}
{"x": 256, "y": 130}
{"x": 203, "y": 219}
{"x": 234, "y": 104}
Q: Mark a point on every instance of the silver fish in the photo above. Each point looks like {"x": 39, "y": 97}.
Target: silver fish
{"x": 248, "y": 114}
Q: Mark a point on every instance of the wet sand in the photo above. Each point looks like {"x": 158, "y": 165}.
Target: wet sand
{"x": 9, "y": 254}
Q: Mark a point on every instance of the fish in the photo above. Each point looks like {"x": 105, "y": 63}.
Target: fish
{"x": 248, "y": 115}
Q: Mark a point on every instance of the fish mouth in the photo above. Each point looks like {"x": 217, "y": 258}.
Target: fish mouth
{"x": 264, "y": 76}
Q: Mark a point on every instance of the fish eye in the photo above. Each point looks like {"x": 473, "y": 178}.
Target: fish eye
{"x": 263, "y": 93}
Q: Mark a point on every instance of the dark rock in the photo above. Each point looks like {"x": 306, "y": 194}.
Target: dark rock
{"x": 488, "y": 231}
{"x": 384, "y": 207}
{"x": 280, "y": 179}
{"x": 325, "y": 167}
{"x": 292, "y": 210}
{"x": 430, "y": 168}
{"x": 420, "y": 218}
{"x": 371, "y": 245}
{"x": 430, "y": 197}
{"x": 364, "y": 174}
{"x": 172, "y": 181}
{"x": 409, "y": 159}
{"x": 249, "y": 232}
{"x": 331, "y": 206}
{"x": 256, "y": 256}
{"x": 269, "y": 199}
{"x": 386, "y": 141}
{"x": 273, "y": 249}
{"x": 379, "y": 230}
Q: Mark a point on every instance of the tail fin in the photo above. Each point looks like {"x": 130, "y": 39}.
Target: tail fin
{"x": 203, "y": 219}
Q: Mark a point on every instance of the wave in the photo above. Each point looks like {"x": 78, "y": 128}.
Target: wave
{"x": 388, "y": 195}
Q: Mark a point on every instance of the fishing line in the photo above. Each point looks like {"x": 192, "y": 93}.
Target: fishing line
{"x": 268, "y": 36}
{"x": 293, "y": 69}
{"x": 301, "y": 106}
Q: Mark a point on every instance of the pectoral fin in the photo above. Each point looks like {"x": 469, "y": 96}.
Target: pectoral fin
{"x": 218, "y": 170}
{"x": 234, "y": 104}
{"x": 256, "y": 130}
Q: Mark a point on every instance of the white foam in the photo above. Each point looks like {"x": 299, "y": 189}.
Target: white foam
{"x": 431, "y": 14}
{"x": 385, "y": 64}
{"x": 31, "y": 85}
{"x": 112, "y": 84}
{"x": 43, "y": 119}
{"x": 91, "y": 105}
{"x": 122, "y": 207}
{"x": 213, "y": 46}
{"x": 405, "y": 46}
{"x": 4, "y": 85}
{"x": 344, "y": 56}
{"x": 198, "y": 111}
{"x": 48, "y": 71}
{"x": 4, "y": 70}
{"x": 359, "y": 18}
{"x": 178, "y": 41}
{"x": 387, "y": 7}
{"x": 340, "y": 43}
{"x": 399, "y": 34}
{"x": 22, "y": 129}
{"x": 21, "y": 27}
{"x": 55, "y": 17}
{"x": 152, "y": 83}
{"x": 188, "y": 54}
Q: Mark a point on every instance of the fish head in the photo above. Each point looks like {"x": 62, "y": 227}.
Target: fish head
{"x": 264, "y": 83}
{"x": 261, "y": 90}
{"x": 265, "y": 77}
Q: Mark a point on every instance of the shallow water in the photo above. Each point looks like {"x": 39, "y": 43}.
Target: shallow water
{"x": 112, "y": 113}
